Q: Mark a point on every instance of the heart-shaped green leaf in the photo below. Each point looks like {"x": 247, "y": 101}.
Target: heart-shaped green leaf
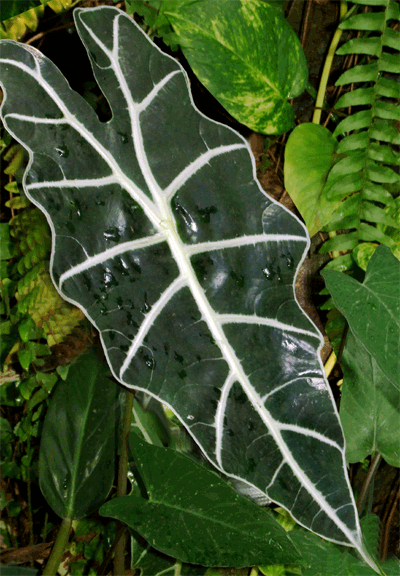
{"x": 372, "y": 309}
{"x": 369, "y": 406}
{"x": 308, "y": 159}
{"x": 194, "y": 515}
{"x": 246, "y": 55}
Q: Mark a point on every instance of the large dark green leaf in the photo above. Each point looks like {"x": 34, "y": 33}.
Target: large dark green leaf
{"x": 194, "y": 515}
{"x": 166, "y": 241}
{"x": 308, "y": 159}
{"x": 372, "y": 309}
{"x": 369, "y": 407}
{"x": 246, "y": 55}
{"x": 78, "y": 445}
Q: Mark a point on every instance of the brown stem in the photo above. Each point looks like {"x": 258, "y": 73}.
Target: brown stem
{"x": 387, "y": 520}
{"x": 372, "y": 470}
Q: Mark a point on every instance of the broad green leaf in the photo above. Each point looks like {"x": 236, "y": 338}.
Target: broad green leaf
{"x": 194, "y": 515}
{"x": 308, "y": 159}
{"x": 369, "y": 407}
{"x": 246, "y": 55}
{"x": 150, "y": 562}
{"x": 372, "y": 309}
{"x": 166, "y": 241}
{"x": 78, "y": 444}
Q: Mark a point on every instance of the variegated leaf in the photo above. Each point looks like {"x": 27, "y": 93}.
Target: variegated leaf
{"x": 163, "y": 237}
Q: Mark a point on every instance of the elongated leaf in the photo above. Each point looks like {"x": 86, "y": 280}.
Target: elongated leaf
{"x": 369, "y": 408}
{"x": 78, "y": 445}
{"x": 166, "y": 241}
{"x": 195, "y": 516}
{"x": 372, "y": 309}
{"x": 246, "y": 55}
{"x": 305, "y": 174}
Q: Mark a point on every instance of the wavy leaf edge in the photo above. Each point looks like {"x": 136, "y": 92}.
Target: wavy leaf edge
{"x": 354, "y": 537}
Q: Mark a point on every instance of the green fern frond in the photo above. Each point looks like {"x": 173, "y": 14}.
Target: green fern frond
{"x": 364, "y": 175}
{"x": 35, "y": 293}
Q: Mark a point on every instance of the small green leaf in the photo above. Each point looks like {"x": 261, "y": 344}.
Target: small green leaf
{"x": 194, "y": 515}
{"x": 76, "y": 459}
{"x": 25, "y": 358}
{"x": 7, "y": 247}
{"x": 372, "y": 309}
{"x": 306, "y": 173}
{"x": 147, "y": 425}
{"x": 363, "y": 253}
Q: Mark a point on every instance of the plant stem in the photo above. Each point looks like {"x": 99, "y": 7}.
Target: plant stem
{"x": 327, "y": 67}
{"x": 58, "y": 549}
{"x": 119, "y": 556}
{"x": 330, "y": 363}
{"x": 372, "y": 470}
{"x": 28, "y": 481}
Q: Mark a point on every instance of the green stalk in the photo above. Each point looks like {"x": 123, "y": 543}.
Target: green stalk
{"x": 119, "y": 556}
{"x": 327, "y": 67}
{"x": 59, "y": 547}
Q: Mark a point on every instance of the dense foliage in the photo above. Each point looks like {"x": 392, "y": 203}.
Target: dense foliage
{"x": 66, "y": 419}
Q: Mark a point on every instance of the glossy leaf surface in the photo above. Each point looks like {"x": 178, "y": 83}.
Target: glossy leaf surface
{"x": 150, "y": 562}
{"x": 306, "y": 173}
{"x": 369, "y": 406}
{"x": 372, "y": 309}
{"x": 163, "y": 237}
{"x": 194, "y": 515}
{"x": 78, "y": 444}
{"x": 246, "y": 55}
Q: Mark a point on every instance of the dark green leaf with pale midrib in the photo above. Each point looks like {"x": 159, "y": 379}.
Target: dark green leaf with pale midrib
{"x": 78, "y": 444}
{"x": 166, "y": 241}
{"x": 194, "y": 515}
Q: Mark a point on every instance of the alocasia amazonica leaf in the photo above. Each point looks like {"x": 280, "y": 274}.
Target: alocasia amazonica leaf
{"x": 163, "y": 237}
{"x": 245, "y": 54}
